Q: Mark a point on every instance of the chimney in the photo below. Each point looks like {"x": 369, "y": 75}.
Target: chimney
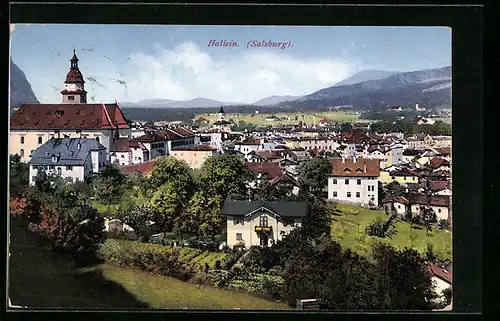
{"x": 79, "y": 146}
{"x": 365, "y": 166}
{"x": 343, "y": 159}
{"x": 354, "y": 159}
{"x": 416, "y": 106}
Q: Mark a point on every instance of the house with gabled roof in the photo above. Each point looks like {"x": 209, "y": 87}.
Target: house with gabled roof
{"x": 74, "y": 159}
{"x": 354, "y": 181}
{"x": 261, "y": 223}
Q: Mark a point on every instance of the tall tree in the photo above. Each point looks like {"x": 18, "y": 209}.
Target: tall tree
{"x": 313, "y": 176}
{"x": 404, "y": 279}
{"x": 168, "y": 203}
{"x": 110, "y": 185}
{"x": 19, "y": 175}
{"x": 224, "y": 175}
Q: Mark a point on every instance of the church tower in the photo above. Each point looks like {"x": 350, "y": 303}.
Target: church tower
{"x": 74, "y": 89}
{"x": 222, "y": 114}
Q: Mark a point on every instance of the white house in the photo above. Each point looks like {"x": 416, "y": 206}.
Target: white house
{"x": 259, "y": 223}
{"x": 354, "y": 181}
{"x": 248, "y": 145}
{"x": 74, "y": 159}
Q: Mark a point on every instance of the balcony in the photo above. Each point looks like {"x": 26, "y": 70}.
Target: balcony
{"x": 263, "y": 229}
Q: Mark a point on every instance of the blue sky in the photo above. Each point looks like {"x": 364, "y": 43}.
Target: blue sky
{"x": 135, "y": 62}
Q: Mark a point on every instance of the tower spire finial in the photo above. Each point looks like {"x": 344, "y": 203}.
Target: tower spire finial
{"x": 74, "y": 53}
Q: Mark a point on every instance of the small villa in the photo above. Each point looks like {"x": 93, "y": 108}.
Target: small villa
{"x": 261, "y": 223}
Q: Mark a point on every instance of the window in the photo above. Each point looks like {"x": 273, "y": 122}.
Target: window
{"x": 238, "y": 220}
{"x": 347, "y": 181}
{"x": 334, "y": 193}
{"x": 69, "y": 168}
{"x": 358, "y": 194}
{"x": 122, "y": 156}
{"x": 399, "y": 206}
{"x": 22, "y": 153}
{"x": 393, "y": 177}
{"x": 66, "y": 136}
{"x": 359, "y": 182}
{"x": 59, "y": 171}
{"x": 334, "y": 181}
{"x": 239, "y": 237}
{"x": 97, "y": 139}
{"x": 348, "y": 194}
{"x": 263, "y": 221}
{"x": 439, "y": 210}
{"x": 71, "y": 97}
{"x": 22, "y": 139}
{"x": 40, "y": 140}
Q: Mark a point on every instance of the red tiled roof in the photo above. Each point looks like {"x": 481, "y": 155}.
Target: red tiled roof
{"x": 182, "y": 131}
{"x": 200, "y": 148}
{"x": 250, "y": 141}
{"x": 437, "y": 162}
{"x": 137, "y": 145}
{"x": 440, "y": 272}
{"x": 363, "y": 167}
{"x": 323, "y": 121}
{"x": 68, "y": 116}
{"x": 121, "y": 145}
{"x": 431, "y": 200}
{"x": 201, "y": 120}
{"x": 443, "y": 150}
{"x": 222, "y": 122}
{"x": 437, "y": 185}
{"x": 272, "y": 170}
{"x": 284, "y": 177}
{"x": 143, "y": 168}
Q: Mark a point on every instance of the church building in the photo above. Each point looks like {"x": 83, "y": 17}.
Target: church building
{"x": 32, "y": 125}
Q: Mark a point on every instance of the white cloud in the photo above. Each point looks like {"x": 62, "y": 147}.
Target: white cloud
{"x": 186, "y": 72}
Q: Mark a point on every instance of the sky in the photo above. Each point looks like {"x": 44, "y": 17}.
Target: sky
{"x": 136, "y": 62}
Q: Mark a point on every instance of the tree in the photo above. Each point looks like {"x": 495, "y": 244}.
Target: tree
{"x": 204, "y": 214}
{"x": 429, "y": 218}
{"x": 19, "y": 175}
{"x": 137, "y": 217}
{"x": 395, "y": 189}
{"x": 313, "y": 176}
{"x": 167, "y": 203}
{"x": 171, "y": 170}
{"x": 345, "y": 127}
{"x": 110, "y": 185}
{"x": 403, "y": 279}
{"x": 224, "y": 175}
{"x": 318, "y": 222}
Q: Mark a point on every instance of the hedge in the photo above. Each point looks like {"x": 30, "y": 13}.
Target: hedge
{"x": 180, "y": 263}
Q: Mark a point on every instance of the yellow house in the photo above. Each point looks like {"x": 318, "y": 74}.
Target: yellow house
{"x": 292, "y": 143}
{"x": 259, "y": 223}
{"x": 402, "y": 177}
{"x": 194, "y": 156}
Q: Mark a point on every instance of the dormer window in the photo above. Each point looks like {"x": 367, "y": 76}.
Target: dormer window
{"x": 71, "y": 97}
{"x": 347, "y": 170}
{"x": 54, "y": 158}
{"x": 59, "y": 113}
{"x": 359, "y": 170}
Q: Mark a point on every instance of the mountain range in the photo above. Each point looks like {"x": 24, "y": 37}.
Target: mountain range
{"x": 365, "y": 75}
{"x": 20, "y": 89}
{"x": 370, "y": 89}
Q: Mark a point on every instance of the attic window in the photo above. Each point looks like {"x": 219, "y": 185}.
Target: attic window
{"x": 54, "y": 158}
{"x": 347, "y": 170}
{"x": 59, "y": 113}
{"x": 359, "y": 170}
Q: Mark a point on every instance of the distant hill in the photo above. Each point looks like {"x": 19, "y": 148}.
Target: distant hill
{"x": 365, "y": 76}
{"x": 430, "y": 87}
{"x": 275, "y": 100}
{"x": 168, "y": 103}
{"x": 20, "y": 88}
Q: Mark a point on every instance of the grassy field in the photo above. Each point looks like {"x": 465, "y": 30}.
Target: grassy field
{"x": 38, "y": 278}
{"x": 260, "y": 119}
{"x": 349, "y": 230}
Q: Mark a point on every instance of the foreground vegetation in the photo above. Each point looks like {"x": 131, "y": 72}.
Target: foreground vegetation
{"x": 349, "y": 224}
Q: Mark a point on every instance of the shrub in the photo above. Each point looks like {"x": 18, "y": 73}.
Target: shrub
{"x": 158, "y": 259}
{"x": 218, "y": 278}
{"x": 381, "y": 228}
{"x": 19, "y": 207}
{"x": 79, "y": 235}
{"x": 444, "y": 224}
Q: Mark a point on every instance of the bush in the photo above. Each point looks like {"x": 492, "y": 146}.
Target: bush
{"x": 218, "y": 278}
{"x": 381, "y": 228}
{"x": 79, "y": 235}
{"x": 19, "y": 207}
{"x": 158, "y": 259}
{"x": 444, "y": 224}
